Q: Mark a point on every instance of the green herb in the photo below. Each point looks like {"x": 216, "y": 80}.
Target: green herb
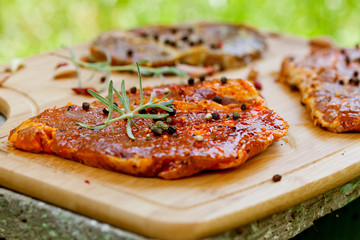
{"x": 106, "y": 68}
{"x": 126, "y": 112}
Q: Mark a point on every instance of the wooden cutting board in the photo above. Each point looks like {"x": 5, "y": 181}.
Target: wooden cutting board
{"x": 310, "y": 160}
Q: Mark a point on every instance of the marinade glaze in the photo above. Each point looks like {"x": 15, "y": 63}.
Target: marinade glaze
{"x": 226, "y": 142}
{"x": 328, "y": 80}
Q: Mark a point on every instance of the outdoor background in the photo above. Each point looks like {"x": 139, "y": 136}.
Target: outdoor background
{"x": 29, "y": 27}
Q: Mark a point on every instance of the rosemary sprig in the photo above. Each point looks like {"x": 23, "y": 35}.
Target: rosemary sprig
{"x": 126, "y": 112}
{"x": 106, "y": 68}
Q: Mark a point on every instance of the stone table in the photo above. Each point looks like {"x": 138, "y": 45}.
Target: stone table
{"x": 23, "y": 217}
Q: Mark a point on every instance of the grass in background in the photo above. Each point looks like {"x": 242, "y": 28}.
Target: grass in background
{"x": 33, "y": 26}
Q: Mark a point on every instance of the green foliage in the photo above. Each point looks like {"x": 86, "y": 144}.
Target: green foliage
{"x": 33, "y": 26}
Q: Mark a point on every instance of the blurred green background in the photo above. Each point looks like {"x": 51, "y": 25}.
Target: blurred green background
{"x": 29, "y": 27}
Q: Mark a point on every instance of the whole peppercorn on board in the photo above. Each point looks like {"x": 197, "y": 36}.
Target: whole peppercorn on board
{"x": 309, "y": 160}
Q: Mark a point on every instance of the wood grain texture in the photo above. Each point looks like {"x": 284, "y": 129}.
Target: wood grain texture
{"x": 310, "y": 160}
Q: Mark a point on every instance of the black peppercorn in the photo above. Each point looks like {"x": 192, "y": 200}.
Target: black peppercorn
{"x": 129, "y": 53}
{"x": 142, "y": 111}
{"x": 171, "y": 130}
{"x": 356, "y": 73}
{"x": 347, "y": 60}
{"x": 85, "y": 105}
{"x": 223, "y": 80}
{"x": 105, "y": 111}
{"x": 185, "y": 38}
{"x": 70, "y": 107}
{"x": 341, "y": 82}
{"x": 115, "y": 104}
{"x": 156, "y": 37}
{"x": 202, "y": 78}
{"x": 243, "y": 107}
{"x": 173, "y": 112}
{"x": 215, "y": 116}
{"x": 133, "y": 90}
{"x": 103, "y": 79}
{"x": 191, "y": 81}
{"x": 217, "y": 99}
{"x": 153, "y": 111}
{"x": 293, "y": 88}
{"x": 276, "y": 178}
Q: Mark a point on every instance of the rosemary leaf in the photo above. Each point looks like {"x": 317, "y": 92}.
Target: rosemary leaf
{"x": 128, "y": 130}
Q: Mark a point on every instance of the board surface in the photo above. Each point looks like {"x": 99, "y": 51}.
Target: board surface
{"x": 310, "y": 160}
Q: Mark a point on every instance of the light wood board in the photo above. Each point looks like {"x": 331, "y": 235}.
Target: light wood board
{"x": 310, "y": 160}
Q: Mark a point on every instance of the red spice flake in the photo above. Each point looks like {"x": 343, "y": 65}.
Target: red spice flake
{"x": 276, "y": 178}
{"x": 220, "y": 44}
{"x": 87, "y": 181}
{"x": 258, "y": 85}
{"x": 84, "y": 91}
{"x": 342, "y": 154}
{"x": 61, "y": 65}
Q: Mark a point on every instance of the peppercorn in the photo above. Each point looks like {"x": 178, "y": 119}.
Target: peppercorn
{"x": 202, "y": 78}
{"x": 293, "y": 88}
{"x": 243, "y": 107}
{"x": 191, "y": 81}
{"x": 236, "y": 115}
{"x": 133, "y": 90}
{"x": 199, "y": 138}
{"x": 223, "y": 80}
{"x": 161, "y": 125}
{"x": 153, "y": 111}
{"x": 152, "y": 126}
{"x": 105, "y": 111}
{"x": 115, "y": 104}
{"x": 156, "y": 37}
{"x": 171, "y": 130}
{"x": 166, "y": 90}
{"x": 103, "y": 79}
{"x": 347, "y": 60}
{"x": 142, "y": 111}
{"x": 208, "y": 116}
{"x": 276, "y": 178}
{"x": 85, "y": 105}
{"x": 70, "y": 107}
{"x": 144, "y": 35}
{"x": 129, "y": 53}
{"x": 169, "y": 120}
{"x": 200, "y": 41}
{"x": 356, "y": 73}
{"x": 157, "y": 131}
{"x": 185, "y": 38}
{"x": 173, "y": 112}
{"x": 341, "y": 82}
{"x": 217, "y": 99}
{"x": 215, "y": 116}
